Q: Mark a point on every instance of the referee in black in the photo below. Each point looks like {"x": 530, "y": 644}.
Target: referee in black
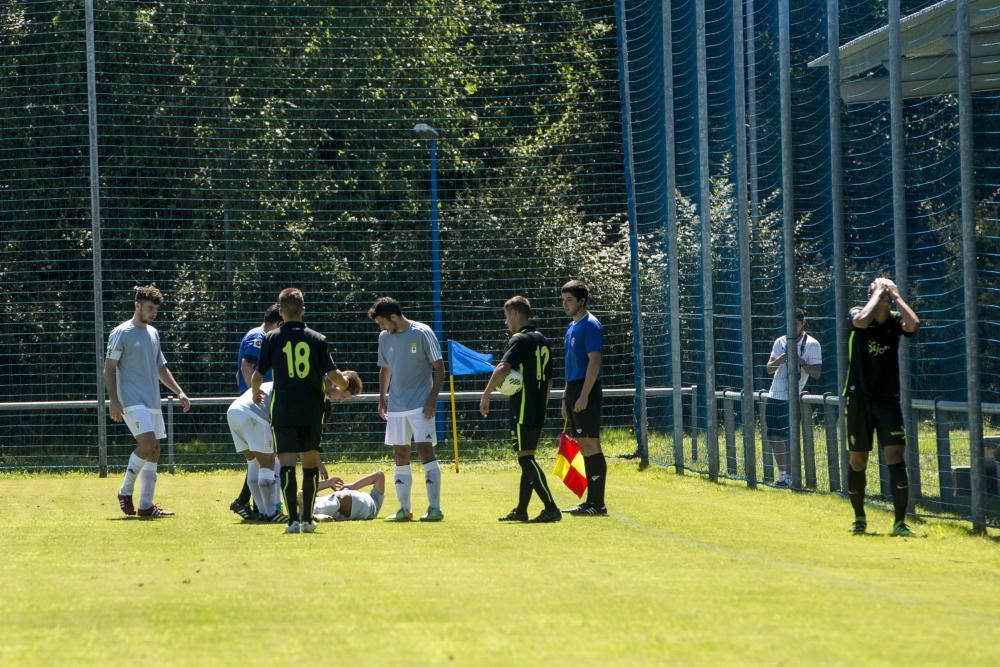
{"x": 528, "y": 353}
{"x": 304, "y": 375}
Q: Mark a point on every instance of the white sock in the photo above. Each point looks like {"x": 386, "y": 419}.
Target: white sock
{"x": 268, "y": 484}
{"x": 432, "y": 478}
{"x": 277, "y": 482}
{"x": 403, "y": 481}
{"x": 148, "y": 477}
{"x": 135, "y": 464}
{"x": 253, "y": 481}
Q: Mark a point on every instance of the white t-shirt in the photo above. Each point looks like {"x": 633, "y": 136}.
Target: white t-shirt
{"x": 810, "y": 354}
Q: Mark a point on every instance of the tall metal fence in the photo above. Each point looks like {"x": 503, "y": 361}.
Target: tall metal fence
{"x": 706, "y": 166}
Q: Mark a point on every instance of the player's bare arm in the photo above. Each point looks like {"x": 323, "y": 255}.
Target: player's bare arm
{"x": 256, "y": 380}
{"x": 246, "y": 369}
{"x": 496, "y": 379}
{"x": 593, "y": 371}
{"x": 115, "y": 410}
{"x": 863, "y": 318}
{"x": 910, "y": 320}
{"x": 430, "y": 405}
{"x": 384, "y": 376}
{"x": 167, "y": 378}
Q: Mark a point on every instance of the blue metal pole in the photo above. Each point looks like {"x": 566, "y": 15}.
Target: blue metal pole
{"x": 436, "y": 272}
{"x": 435, "y": 246}
{"x": 639, "y": 418}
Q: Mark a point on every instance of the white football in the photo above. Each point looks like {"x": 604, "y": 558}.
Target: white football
{"x": 511, "y": 384}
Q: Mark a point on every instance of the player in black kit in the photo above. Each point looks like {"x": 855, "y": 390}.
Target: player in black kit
{"x": 304, "y": 375}
{"x": 527, "y": 353}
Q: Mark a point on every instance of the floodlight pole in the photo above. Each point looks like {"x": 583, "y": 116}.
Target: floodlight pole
{"x": 425, "y": 131}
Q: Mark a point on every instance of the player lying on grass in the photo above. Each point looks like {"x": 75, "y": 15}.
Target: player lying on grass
{"x": 348, "y": 502}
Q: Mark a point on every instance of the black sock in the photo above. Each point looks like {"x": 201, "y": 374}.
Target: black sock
{"x": 541, "y": 485}
{"x": 524, "y": 493}
{"x": 290, "y": 492}
{"x": 900, "y": 487}
{"x": 310, "y": 480}
{"x": 244, "y": 497}
{"x": 597, "y": 471}
{"x": 856, "y": 481}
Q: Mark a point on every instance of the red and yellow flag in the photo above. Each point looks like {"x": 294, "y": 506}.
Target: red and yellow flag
{"x": 569, "y": 465}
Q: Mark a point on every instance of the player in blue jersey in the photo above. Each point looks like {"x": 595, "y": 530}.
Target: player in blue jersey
{"x": 582, "y": 403}
{"x": 245, "y": 363}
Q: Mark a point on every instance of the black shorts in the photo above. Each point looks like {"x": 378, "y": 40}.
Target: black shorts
{"x": 776, "y": 411}
{"x": 525, "y": 438}
{"x": 866, "y": 416}
{"x": 297, "y": 439}
{"x": 586, "y": 424}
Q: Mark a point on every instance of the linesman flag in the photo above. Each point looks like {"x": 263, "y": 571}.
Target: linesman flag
{"x": 569, "y": 465}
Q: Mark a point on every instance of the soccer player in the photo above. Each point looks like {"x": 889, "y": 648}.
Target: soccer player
{"x": 250, "y": 426}
{"x": 134, "y": 367}
{"x": 872, "y": 392}
{"x": 582, "y": 403}
{"x": 247, "y": 361}
{"x": 304, "y": 373}
{"x": 348, "y": 502}
{"x": 810, "y": 355}
{"x": 411, "y": 371}
{"x": 528, "y": 353}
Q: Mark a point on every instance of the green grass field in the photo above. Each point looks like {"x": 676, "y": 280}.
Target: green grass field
{"x": 682, "y": 571}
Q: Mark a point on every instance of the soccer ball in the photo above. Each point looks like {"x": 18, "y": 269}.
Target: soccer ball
{"x": 511, "y": 384}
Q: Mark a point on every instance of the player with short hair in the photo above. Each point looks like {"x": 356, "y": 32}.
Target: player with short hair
{"x": 872, "y": 392}
{"x": 411, "y": 371}
{"x": 304, "y": 374}
{"x": 250, "y": 426}
{"x": 810, "y": 356}
{"x": 348, "y": 502}
{"x": 245, "y": 363}
{"x": 528, "y": 353}
{"x": 134, "y": 367}
{"x": 582, "y": 403}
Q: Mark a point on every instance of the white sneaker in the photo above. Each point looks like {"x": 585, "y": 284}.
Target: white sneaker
{"x": 784, "y": 480}
{"x": 293, "y": 527}
{"x": 307, "y": 527}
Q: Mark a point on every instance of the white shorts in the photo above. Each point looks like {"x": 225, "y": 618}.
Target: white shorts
{"x": 141, "y": 419}
{"x": 250, "y": 432}
{"x": 401, "y": 427}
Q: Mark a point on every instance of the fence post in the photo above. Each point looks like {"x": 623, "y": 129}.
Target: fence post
{"x": 830, "y": 423}
{"x": 808, "y": 444}
{"x": 673, "y": 278}
{"x": 729, "y": 416}
{"x": 705, "y": 216}
{"x": 170, "y": 433}
{"x": 765, "y": 443}
{"x": 971, "y": 302}
{"x": 845, "y": 457}
{"x": 694, "y": 422}
{"x": 640, "y": 408}
{"x": 897, "y": 139}
{"x": 95, "y": 231}
{"x": 946, "y": 478}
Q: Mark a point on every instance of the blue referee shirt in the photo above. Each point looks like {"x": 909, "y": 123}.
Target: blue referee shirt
{"x": 582, "y": 338}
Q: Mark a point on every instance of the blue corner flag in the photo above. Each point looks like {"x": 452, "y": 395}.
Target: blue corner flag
{"x": 464, "y": 361}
